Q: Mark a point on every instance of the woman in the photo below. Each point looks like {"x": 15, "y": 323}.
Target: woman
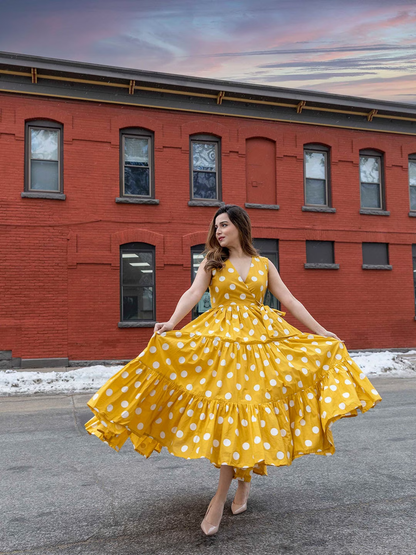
{"x": 238, "y": 385}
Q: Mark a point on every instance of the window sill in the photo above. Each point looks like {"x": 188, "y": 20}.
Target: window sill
{"x": 321, "y": 266}
{"x": 208, "y": 202}
{"x": 377, "y": 267}
{"x": 137, "y": 324}
{"x": 43, "y": 194}
{"x": 262, "y": 206}
{"x": 318, "y": 209}
{"x": 371, "y": 212}
{"x": 128, "y": 200}
{"x": 412, "y": 214}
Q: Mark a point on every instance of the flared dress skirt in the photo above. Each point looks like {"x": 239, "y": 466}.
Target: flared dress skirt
{"x": 238, "y": 385}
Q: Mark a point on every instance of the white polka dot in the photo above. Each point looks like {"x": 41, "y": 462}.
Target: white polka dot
{"x": 280, "y": 455}
{"x": 328, "y": 399}
{"x": 124, "y": 404}
{"x": 308, "y": 442}
{"x": 246, "y": 446}
{"x": 274, "y": 431}
{"x": 109, "y": 392}
{"x": 236, "y": 455}
{"x": 227, "y": 442}
{"x": 184, "y": 448}
{"x": 315, "y": 430}
{"x": 266, "y": 445}
{"x": 207, "y": 435}
{"x": 126, "y": 374}
{"x": 124, "y": 414}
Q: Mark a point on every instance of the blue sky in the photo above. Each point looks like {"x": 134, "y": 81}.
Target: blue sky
{"x": 361, "y": 48}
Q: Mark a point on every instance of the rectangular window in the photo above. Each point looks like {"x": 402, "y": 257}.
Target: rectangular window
{"x": 270, "y": 249}
{"x": 136, "y": 165}
{"x": 44, "y": 163}
{"x": 412, "y": 183}
{"x": 204, "y": 303}
{"x": 137, "y": 283}
{"x": 316, "y": 182}
{"x": 205, "y": 169}
{"x": 375, "y": 254}
{"x": 371, "y": 181}
{"x": 320, "y": 252}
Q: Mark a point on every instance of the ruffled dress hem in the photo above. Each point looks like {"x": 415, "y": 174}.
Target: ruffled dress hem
{"x": 273, "y": 433}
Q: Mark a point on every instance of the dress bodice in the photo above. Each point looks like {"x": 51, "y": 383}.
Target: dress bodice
{"x": 227, "y": 286}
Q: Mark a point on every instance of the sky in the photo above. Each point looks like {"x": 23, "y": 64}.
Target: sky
{"x": 354, "y": 47}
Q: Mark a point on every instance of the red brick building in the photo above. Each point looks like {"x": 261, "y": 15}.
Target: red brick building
{"x": 110, "y": 177}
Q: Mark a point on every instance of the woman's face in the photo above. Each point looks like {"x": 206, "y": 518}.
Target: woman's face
{"x": 226, "y": 232}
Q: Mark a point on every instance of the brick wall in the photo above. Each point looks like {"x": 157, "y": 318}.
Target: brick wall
{"x": 59, "y": 259}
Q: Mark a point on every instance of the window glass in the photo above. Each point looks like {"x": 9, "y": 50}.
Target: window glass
{"x": 137, "y": 272}
{"x": 204, "y": 169}
{"x": 44, "y": 159}
{"x": 136, "y": 166}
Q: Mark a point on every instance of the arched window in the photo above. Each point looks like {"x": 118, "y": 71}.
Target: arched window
{"x": 204, "y": 303}
{"x": 136, "y": 163}
{"x": 371, "y": 179}
{"x": 205, "y": 167}
{"x": 412, "y": 182}
{"x": 44, "y": 156}
{"x": 137, "y": 283}
{"x": 316, "y": 175}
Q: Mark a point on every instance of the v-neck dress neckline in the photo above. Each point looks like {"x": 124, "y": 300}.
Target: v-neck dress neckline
{"x": 249, "y": 270}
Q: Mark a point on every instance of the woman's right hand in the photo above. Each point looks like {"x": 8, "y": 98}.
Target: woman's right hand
{"x": 163, "y": 326}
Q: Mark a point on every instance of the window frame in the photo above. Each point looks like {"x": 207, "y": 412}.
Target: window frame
{"x": 373, "y": 153}
{"x": 205, "y": 138}
{"x": 137, "y": 247}
{"x": 321, "y": 149}
{"x": 43, "y": 124}
{"x": 197, "y": 249}
{"x": 137, "y": 133}
{"x": 411, "y": 159}
{"x": 365, "y": 246}
{"x": 269, "y": 248}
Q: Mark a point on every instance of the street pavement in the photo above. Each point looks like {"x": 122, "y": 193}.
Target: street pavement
{"x": 65, "y": 492}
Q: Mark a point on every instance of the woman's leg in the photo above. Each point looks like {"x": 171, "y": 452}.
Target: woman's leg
{"x": 220, "y": 497}
{"x": 243, "y": 476}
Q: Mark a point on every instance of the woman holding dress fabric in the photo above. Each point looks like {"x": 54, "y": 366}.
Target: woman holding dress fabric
{"x": 238, "y": 385}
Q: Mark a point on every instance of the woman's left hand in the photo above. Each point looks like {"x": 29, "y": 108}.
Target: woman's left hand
{"x": 327, "y": 333}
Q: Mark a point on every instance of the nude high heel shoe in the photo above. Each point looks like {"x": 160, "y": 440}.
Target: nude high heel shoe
{"x": 237, "y": 509}
{"x": 208, "y": 528}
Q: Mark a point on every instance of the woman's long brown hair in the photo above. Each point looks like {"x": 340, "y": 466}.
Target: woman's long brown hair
{"x": 216, "y": 255}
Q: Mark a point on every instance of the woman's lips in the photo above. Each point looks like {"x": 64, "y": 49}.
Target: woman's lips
{"x": 221, "y": 238}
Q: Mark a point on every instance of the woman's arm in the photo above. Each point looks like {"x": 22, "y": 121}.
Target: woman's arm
{"x": 295, "y": 307}
{"x": 188, "y": 300}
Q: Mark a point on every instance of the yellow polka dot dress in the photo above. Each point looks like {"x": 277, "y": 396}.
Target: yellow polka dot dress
{"x": 238, "y": 385}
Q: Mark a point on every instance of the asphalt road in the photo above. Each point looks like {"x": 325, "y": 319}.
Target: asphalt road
{"x": 65, "y": 492}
